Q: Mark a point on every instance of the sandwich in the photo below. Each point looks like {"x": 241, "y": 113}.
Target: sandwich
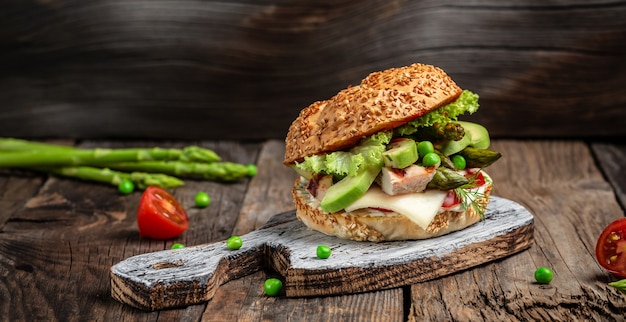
{"x": 389, "y": 159}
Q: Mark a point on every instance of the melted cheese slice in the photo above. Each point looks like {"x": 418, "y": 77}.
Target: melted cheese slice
{"x": 420, "y": 207}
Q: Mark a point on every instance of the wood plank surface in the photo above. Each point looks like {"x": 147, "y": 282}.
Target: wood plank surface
{"x": 182, "y": 277}
{"x": 62, "y": 236}
{"x": 197, "y": 69}
{"x": 611, "y": 158}
{"x": 572, "y": 203}
{"x": 54, "y": 247}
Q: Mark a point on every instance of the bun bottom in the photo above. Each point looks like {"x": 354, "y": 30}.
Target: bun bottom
{"x": 376, "y": 226}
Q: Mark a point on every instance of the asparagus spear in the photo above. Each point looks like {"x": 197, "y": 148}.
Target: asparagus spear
{"x": 450, "y": 131}
{"x": 100, "y": 157}
{"x": 197, "y": 154}
{"x": 13, "y": 144}
{"x": 447, "y": 179}
{"x": 219, "y": 171}
{"x": 141, "y": 179}
{"x": 479, "y": 158}
{"x": 190, "y": 153}
{"x": 445, "y": 160}
{"x": 192, "y": 161}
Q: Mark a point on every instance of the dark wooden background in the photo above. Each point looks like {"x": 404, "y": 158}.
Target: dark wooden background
{"x": 170, "y": 72}
{"x": 243, "y": 69}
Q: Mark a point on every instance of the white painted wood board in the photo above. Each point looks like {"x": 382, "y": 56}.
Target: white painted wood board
{"x": 191, "y": 275}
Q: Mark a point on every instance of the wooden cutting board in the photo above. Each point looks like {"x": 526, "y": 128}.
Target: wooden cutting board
{"x": 191, "y": 275}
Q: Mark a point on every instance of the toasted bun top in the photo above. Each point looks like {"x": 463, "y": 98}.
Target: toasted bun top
{"x": 384, "y": 100}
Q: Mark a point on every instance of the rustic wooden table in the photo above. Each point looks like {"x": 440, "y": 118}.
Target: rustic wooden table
{"x": 60, "y": 237}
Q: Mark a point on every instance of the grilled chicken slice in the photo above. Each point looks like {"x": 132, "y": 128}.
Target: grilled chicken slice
{"x": 413, "y": 178}
{"x": 318, "y": 185}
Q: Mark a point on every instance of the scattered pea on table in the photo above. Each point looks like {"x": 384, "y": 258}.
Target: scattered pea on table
{"x": 177, "y": 246}
{"x": 543, "y": 275}
{"x": 234, "y": 242}
{"x": 126, "y": 187}
{"x": 323, "y": 251}
{"x": 202, "y": 199}
{"x": 272, "y": 286}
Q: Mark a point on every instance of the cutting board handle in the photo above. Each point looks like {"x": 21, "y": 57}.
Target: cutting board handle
{"x": 157, "y": 280}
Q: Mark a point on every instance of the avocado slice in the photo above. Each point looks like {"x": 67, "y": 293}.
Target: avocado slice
{"x": 400, "y": 153}
{"x": 479, "y": 137}
{"x": 349, "y": 189}
{"x": 452, "y": 147}
{"x": 475, "y": 136}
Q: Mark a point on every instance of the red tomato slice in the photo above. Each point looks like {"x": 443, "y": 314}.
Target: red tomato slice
{"x": 611, "y": 248}
{"x": 451, "y": 200}
{"x": 478, "y": 177}
{"x": 160, "y": 215}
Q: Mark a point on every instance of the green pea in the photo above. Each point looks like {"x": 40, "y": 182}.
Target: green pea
{"x": 543, "y": 275}
{"x": 202, "y": 199}
{"x": 459, "y": 162}
{"x": 177, "y": 246}
{"x": 323, "y": 251}
{"x": 272, "y": 286}
{"x": 252, "y": 170}
{"x": 431, "y": 159}
{"x": 126, "y": 187}
{"x": 425, "y": 147}
{"x": 234, "y": 242}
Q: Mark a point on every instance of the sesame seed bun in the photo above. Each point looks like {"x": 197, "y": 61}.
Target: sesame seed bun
{"x": 382, "y": 101}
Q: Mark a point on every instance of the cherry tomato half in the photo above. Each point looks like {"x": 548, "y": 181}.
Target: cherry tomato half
{"x": 451, "y": 200}
{"x": 160, "y": 215}
{"x": 477, "y": 176}
{"x": 611, "y": 248}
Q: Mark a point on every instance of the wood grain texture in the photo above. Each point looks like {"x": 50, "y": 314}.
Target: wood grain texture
{"x": 572, "y": 203}
{"x": 269, "y": 192}
{"x": 239, "y": 70}
{"x": 611, "y": 158}
{"x": 53, "y": 248}
{"x": 62, "y": 236}
{"x": 16, "y": 187}
{"x": 244, "y": 300}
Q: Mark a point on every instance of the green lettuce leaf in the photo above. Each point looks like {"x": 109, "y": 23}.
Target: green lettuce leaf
{"x": 340, "y": 164}
{"x": 369, "y": 151}
{"x": 466, "y": 103}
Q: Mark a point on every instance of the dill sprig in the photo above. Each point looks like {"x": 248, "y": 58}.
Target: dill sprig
{"x": 471, "y": 195}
